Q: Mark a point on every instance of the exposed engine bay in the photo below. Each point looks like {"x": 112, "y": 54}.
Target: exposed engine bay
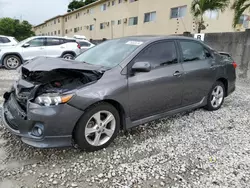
{"x": 35, "y": 83}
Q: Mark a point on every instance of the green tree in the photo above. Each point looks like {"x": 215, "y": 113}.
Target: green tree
{"x": 75, "y": 4}
{"x": 199, "y": 7}
{"x": 15, "y": 28}
{"x": 239, "y": 7}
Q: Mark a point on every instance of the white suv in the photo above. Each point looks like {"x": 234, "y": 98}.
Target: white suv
{"x": 7, "y": 41}
{"x": 32, "y": 47}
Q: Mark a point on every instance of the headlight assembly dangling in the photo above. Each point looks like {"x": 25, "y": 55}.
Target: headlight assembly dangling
{"x": 51, "y": 99}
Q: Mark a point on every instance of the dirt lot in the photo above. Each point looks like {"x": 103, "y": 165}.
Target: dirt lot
{"x": 194, "y": 149}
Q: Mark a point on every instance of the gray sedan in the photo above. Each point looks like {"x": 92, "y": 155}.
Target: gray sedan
{"x": 116, "y": 85}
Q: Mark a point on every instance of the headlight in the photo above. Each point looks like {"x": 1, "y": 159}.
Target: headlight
{"x": 52, "y": 99}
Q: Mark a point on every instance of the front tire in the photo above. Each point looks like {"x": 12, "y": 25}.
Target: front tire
{"x": 216, "y": 96}
{"x": 97, "y": 128}
{"x": 11, "y": 62}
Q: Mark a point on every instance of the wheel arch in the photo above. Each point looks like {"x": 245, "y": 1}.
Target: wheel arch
{"x": 225, "y": 83}
{"x": 69, "y": 52}
{"x": 12, "y": 53}
{"x": 115, "y": 104}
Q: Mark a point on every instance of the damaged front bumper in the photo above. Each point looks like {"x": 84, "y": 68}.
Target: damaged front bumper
{"x": 55, "y": 123}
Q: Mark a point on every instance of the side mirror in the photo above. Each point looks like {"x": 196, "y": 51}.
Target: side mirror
{"x": 141, "y": 67}
{"x": 26, "y": 45}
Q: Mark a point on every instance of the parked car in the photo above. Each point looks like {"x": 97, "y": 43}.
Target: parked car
{"x": 6, "y": 41}
{"x": 85, "y": 45}
{"x": 49, "y": 46}
{"x": 116, "y": 85}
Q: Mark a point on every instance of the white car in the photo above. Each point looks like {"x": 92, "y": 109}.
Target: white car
{"x": 49, "y": 46}
{"x": 7, "y": 41}
{"x": 85, "y": 45}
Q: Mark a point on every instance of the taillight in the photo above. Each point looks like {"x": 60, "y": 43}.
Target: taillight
{"x": 78, "y": 46}
{"x": 235, "y": 65}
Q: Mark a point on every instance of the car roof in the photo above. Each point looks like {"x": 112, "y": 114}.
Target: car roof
{"x": 58, "y": 37}
{"x": 151, "y": 38}
{"x": 6, "y": 36}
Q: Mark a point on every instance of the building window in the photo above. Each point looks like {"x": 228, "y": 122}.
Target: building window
{"x": 58, "y": 20}
{"x": 71, "y": 30}
{"x": 103, "y": 7}
{"x": 54, "y": 21}
{"x": 119, "y": 22}
{"x": 113, "y": 3}
{"x": 65, "y": 19}
{"x": 91, "y": 27}
{"x": 133, "y": 21}
{"x": 149, "y": 17}
{"x": 51, "y": 33}
{"x": 212, "y": 14}
{"x": 59, "y": 32}
{"x": 131, "y": 1}
{"x": 244, "y": 21}
{"x": 54, "y": 32}
{"x": 101, "y": 25}
{"x": 178, "y": 12}
{"x": 76, "y": 29}
{"x": 66, "y": 31}
{"x": 91, "y": 11}
{"x": 112, "y": 22}
{"x": 119, "y": 1}
{"x": 81, "y": 28}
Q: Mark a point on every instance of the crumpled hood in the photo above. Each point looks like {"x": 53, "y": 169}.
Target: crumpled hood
{"x": 49, "y": 63}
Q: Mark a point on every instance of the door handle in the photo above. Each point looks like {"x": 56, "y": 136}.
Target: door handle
{"x": 177, "y": 74}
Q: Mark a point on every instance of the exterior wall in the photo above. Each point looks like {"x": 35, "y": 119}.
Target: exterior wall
{"x": 82, "y": 18}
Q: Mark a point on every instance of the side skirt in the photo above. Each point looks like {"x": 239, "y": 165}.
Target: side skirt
{"x": 131, "y": 124}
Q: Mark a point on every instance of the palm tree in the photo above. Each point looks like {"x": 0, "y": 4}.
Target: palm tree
{"x": 199, "y": 7}
{"x": 239, "y": 6}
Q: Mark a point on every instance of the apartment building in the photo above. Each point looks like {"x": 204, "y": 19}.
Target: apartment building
{"x": 118, "y": 18}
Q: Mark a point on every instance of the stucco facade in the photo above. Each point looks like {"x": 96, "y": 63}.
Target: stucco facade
{"x": 114, "y": 18}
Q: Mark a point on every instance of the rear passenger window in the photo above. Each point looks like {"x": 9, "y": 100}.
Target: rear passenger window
{"x": 4, "y": 40}
{"x": 159, "y": 54}
{"x": 193, "y": 51}
{"x": 84, "y": 44}
{"x": 54, "y": 41}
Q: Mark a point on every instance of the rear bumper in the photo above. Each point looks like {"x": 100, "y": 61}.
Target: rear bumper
{"x": 57, "y": 123}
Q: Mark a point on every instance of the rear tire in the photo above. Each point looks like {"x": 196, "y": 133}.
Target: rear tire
{"x": 97, "y": 128}
{"x": 68, "y": 56}
{"x": 216, "y": 97}
{"x": 12, "y": 62}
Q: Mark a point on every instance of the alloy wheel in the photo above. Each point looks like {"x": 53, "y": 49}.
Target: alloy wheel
{"x": 217, "y": 96}
{"x": 100, "y": 128}
{"x": 12, "y": 62}
{"x": 68, "y": 56}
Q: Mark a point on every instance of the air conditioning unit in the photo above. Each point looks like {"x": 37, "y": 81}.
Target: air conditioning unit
{"x": 125, "y": 20}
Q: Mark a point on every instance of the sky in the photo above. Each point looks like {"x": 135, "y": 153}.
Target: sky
{"x": 34, "y": 11}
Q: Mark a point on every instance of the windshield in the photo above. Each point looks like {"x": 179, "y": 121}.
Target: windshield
{"x": 110, "y": 53}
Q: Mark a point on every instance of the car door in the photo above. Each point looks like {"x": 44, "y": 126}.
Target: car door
{"x": 34, "y": 48}
{"x": 199, "y": 71}
{"x": 160, "y": 89}
{"x": 55, "y": 47}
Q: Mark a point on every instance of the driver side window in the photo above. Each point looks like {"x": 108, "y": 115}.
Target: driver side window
{"x": 36, "y": 42}
{"x": 159, "y": 54}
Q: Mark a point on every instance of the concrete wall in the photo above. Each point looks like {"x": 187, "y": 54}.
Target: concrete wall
{"x": 235, "y": 43}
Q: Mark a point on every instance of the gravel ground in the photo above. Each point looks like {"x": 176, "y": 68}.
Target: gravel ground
{"x": 193, "y": 149}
